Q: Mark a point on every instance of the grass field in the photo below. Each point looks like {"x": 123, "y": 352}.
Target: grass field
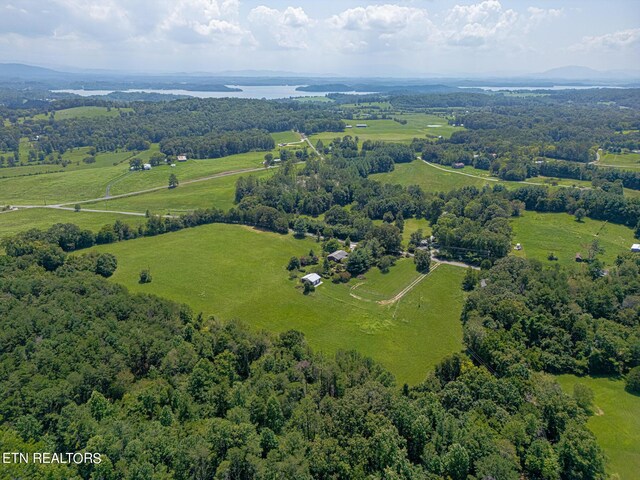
{"x": 429, "y": 178}
{"x": 285, "y": 137}
{"x": 626, "y": 160}
{"x": 84, "y": 112}
{"x": 43, "y": 218}
{"x": 238, "y": 272}
{"x": 85, "y": 184}
{"x": 418, "y": 126}
{"x": 217, "y": 192}
{"x": 541, "y": 233}
{"x": 616, "y": 423}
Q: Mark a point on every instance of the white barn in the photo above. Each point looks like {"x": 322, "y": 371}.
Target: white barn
{"x": 313, "y": 279}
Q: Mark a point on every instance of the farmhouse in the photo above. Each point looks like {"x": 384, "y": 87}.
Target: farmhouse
{"x": 182, "y": 158}
{"x": 458, "y": 165}
{"x": 635, "y": 247}
{"x": 312, "y": 279}
{"x": 338, "y": 256}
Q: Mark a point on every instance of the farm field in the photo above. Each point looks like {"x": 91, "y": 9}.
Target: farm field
{"x": 43, "y": 218}
{"x": 429, "y": 178}
{"x": 626, "y": 160}
{"x": 217, "y": 192}
{"x": 616, "y": 423}
{"x": 391, "y": 131}
{"x": 84, "y": 112}
{"x": 237, "y": 272}
{"x": 285, "y": 137}
{"x": 541, "y": 233}
{"x": 86, "y": 184}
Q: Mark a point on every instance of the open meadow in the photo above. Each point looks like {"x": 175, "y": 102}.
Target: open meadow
{"x": 541, "y": 233}
{"x": 238, "y": 272}
{"x": 622, "y": 160}
{"x": 616, "y": 423}
{"x": 42, "y": 218}
{"x": 85, "y": 112}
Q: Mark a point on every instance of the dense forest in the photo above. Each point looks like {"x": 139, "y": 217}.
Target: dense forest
{"x": 161, "y": 393}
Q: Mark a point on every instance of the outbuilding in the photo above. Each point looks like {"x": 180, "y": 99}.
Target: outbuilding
{"x": 312, "y": 279}
{"x": 338, "y": 256}
{"x": 146, "y": 166}
{"x": 635, "y": 247}
{"x": 182, "y": 158}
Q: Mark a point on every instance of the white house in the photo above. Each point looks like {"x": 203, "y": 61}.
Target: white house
{"x": 313, "y": 279}
{"x": 146, "y": 166}
{"x": 635, "y": 247}
{"x": 182, "y": 158}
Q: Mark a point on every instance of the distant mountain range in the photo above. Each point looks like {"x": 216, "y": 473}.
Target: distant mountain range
{"x": 107, "y": 79}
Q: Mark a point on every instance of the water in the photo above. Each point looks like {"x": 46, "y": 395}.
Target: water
{"x": 269, "y": 92}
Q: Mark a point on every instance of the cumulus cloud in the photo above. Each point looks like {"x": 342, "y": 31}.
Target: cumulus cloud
{"x": 380, "y": 28}
{"x": 623, "y": 39}
{"x": 287, "y": 29}
{"x": 478, "y": 24}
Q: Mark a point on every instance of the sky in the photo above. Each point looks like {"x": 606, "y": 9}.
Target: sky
{"x": 323, "y": 37}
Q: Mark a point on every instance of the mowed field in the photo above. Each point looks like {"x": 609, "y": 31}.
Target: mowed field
{"x": 89, "y": 183}
{"x": 616, "y": 423}
{"x": 42, "y": 218}
{"x": 626, "y": 160}
{"x": 214, "y": 193}
{"x": 418, "y": 125}
{"x": 234, "y": 271}
{"x": 541, "y": 233}
{"x": 85, "y": 112}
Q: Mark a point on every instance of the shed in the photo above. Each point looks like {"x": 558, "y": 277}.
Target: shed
{"x": 361, "y": 125}
{"x": 635, "y": 247}
{"x": 182, "y": 158}
{"x": 313, "y": 279}
{"x": 458, "y": 165}
{"x": 146, "y": 166}
{"x": 338, "y": 256}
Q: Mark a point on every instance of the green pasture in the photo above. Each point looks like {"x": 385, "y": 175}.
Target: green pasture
{"x": 319, "y": 99}
{"x": 216, "y": 192}
{"x": 84, "y": 112}
{"x": 85, "y": 184}
{"x": 233, "y": 271}
{"x": 285, "y": 137}
{"x": 42, "y": 218}
{"x": 541, "y": 233}
{"x": 431, "y": 179}
{"x": 377, "y": 286}
{"x": 413, "y": 224}
{"x": 616, "y": 422}
{"x": 418, "y": 125}
{"x": 626, "y": 160}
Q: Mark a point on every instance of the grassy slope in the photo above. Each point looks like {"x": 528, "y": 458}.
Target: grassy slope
{"x": 43, "y": 218}
{"x": 629, "y": 160}
{"x": 238, "y": 272}
{"x": 217, "y": 192}
{"x": 616, "y": 424}
{"x": 84, "y": 112}
{"x": 429, "y": 178}
{"x": 84, "y": 184}
{"x": 541, "y": 233}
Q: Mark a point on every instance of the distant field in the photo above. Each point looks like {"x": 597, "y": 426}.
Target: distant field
{"x": 84, "y": 112}
{"x": 88, "y": 183}
{"x": 43, "y": 218}
{"x": 429, "y": 178}
{"x": 391, "y": 131}
{"x": 217, "y": 192}
{"x": 628, "y": 160}
{"x": 285, "y": 137}
{"x": 541, "y": 233}
{"x": 238, "y": 272}
{"x": 616, "y": 423}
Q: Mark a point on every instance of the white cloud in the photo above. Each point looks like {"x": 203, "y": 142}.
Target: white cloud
{"x": 539, "y": 14}
{"x": 287, "y": 29}
{"x": 382, "y": 18}
{"x": 478, "y": 24}
{"x": 623, "y": 39}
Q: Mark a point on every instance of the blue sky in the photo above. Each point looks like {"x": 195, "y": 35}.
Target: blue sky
{"x": 394, "y": 38}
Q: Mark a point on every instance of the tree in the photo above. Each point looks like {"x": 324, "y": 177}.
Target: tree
{"x": 173, "y": 181}
{"x": 385, "y": 263}
{"x": 358, "y": 262}
{"x": 579, "y": 454}
{"x": 309, "y": 288}
{"x": 106, "y": 264}
{"x": 300, "y": 227}
{"x": 470, "y": 280}
{"x": 135, "y": 164}
{"x": 422, "y": 259}
{"x": 583, "y": 396}
{"x": 456, "y": 462}
{"x": 77, "y": 207}
{"x": 145, "y": 276}
{"x": 580, "y": 213}
{"x": 633, "y": 380}
{"x": 268, "y": 160}
{"x": 294, "y": 264}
